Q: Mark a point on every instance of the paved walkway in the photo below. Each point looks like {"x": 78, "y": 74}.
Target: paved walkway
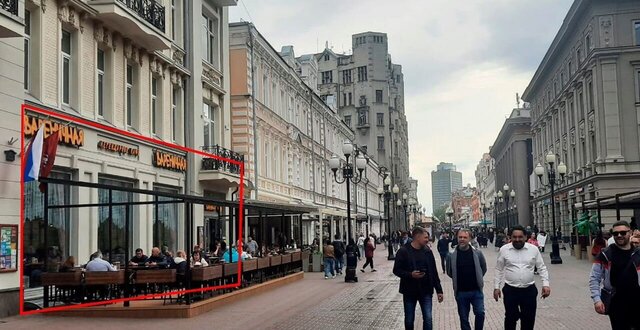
{"x": 372, "y": 303}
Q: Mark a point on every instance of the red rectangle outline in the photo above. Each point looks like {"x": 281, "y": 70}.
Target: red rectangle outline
{"x": 24, "y": 108}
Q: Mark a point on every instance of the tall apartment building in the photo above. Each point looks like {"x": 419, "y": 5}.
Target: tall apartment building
{"x": 513, "y": 167}
{"x": 486, "y": 182}
{"x": 444, "y": 181}
{"x": 153, "y": 68}
{"x": 287, "y": 134}
{"x": 585, "y": 98}
{"x": 367, "y": 88}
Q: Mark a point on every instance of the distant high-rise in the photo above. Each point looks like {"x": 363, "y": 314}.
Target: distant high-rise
{"x": 444, "y": 181}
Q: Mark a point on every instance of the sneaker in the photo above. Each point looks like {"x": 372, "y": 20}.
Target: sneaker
{"x": 333, "y": 276}
{"x": 362, "y": 270}
{"x": 373, "y": 270}
{"x": 326, "y": 277}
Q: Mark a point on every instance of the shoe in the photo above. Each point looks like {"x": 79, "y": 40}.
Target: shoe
{"x": 326, "y": 277}
{"x": 362, "y": 270}
{"x": 333, "y": 276}
{"x": 373, "y": 270}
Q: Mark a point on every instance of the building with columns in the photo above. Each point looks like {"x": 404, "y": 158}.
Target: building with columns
{"x": 513, "y": 167}
{"x": 585, "y": 98}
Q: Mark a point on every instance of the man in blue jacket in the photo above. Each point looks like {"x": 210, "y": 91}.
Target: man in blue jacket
{"x": 416, "y": 267}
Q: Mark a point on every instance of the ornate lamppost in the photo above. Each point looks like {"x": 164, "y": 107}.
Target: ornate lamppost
{"x": 385, "y": 192}
{"x": 551, "y": 173}
{"x": 348, "y": 174}
{"x": 505, "y": 198}
{"x": 449, "y": 213}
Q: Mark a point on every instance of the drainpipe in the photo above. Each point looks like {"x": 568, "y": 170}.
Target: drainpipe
{"x": 253, "y": 114}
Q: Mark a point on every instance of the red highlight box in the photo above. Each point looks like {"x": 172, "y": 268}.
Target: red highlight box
{"x": 99, "y": 126}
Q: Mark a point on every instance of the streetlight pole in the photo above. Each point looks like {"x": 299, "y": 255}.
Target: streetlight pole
{"x": 562, "y": 170}
{"x": 348, "y": 175}
{"x": 484, "y": 212}
{"x": 450, "y": 215}
{"x": 385, "y": 193}
{"x": 507, "y": 196}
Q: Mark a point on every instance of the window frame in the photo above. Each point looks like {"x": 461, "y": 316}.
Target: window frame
{"x": 174, "y": 113}
{"x": 362, "y": 73}
{"x": 66, "y": 58}
{"x": 27, "y": 50}
{"x": 347, "y": 77}
{"x": 129, "y": 93}
{"x": 210, "y": 120}
{"x": 327, "y": 77}
{"x": 154, "y": 105}
{"x": 636, "y": 32}
{"x": 380, "y": 118}
{"x": 379, "y": 141}
{"x": 380, "y": 93}
{"x": 100, "y": 82}
{"x": 210, "y": 35}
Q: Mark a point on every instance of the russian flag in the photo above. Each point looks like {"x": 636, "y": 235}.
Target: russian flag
{"x": 33, "y": 157}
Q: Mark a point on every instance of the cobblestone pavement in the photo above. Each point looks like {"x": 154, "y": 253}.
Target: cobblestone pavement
{"x": 372, "y": 303}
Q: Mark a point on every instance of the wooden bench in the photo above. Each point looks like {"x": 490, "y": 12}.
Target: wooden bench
{"x": 62, "y": 279}
{"x": 159, "y": 276}
{"x": 275, "y": 260}
{"x": 249, "y": 265}
{"x": 230, "y": 269}
{"x": 104, "y": 278}
{"x": 202, "y": 274}
{"x": 286, "y": 258}
{"x": 263, "y": 263}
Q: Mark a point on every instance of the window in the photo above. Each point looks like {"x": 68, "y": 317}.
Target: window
{"x": 66, "y": 67}
{"x": 173, "y": 19}
{"x": 636, "y": 28}
{"x": 380, "y": 119}
{"x": 587, "y": 43}
{"x": 590, "y": 95}
{"x": 380, "y": 142}
{"x": 347, "y": 120}
{"x": 344, "y": 98}
{"x": 265, "y": 88}
{"x": 154, "y": 105}
{"x": 378, "y": 96}
{"x": 346, "y": 76}
{"x": 362, "y": 73}
{"x": 326, "y": 57}
{"x": 129, "y": 95}
{"x": 174, "y": 113}
{"x": 350, "y": 99}
{"x": 209, "y": 125}
{"x": 580, "y": 106}
{"x": 27, "y": 47}
{"x": 209, "y": 28}
{"x": 363, "y": 117}
{"x": 327, "y": 77}
{"x": 112, "y": 231}
{"x": 579, "y": 55}
{"x": 165, "y": 226}
{"x": 100, "y": 81}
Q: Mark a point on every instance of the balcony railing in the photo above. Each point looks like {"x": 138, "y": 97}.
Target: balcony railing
{"x": 149, "y": 10}
{"x": 10, "y": 6}
{"x": 213, "y": 164}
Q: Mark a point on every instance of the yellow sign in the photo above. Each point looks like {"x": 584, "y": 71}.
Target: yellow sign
{"x": 121, "y": 149}
{"x": 169, "y": 161}
{"x": 68, "y": 135}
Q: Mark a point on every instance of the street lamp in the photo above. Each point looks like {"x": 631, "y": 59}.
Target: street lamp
{"x": 562, "y": 170}
{"x": 485, "y": 207}
{"x": 505, "y": 198}
{"x": 386, "y": 194}
{"x": 348, "y": 174}
{"x": 450, "y": 215}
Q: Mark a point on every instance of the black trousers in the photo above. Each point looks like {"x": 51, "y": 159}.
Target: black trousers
{"x": 368, "y": 262}
{"x": 443, "y": 259}
{"x": 622, "y": 313}
{"x": 520, "y": 304}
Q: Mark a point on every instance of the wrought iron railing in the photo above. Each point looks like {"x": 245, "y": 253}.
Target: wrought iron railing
{"x": 149, "y": 10}
{"x": 10, "y": 6}
{"x": 213, "y": 164}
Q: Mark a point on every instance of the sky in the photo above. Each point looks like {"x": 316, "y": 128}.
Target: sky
{"x": 463, "y": 62}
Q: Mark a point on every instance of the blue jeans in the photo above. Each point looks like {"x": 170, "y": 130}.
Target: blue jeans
{"x": 467, "y": 299}
{"x": 339, "y": 263}
{"x": 329, "y": 264}
{"x": 410, "y": 303}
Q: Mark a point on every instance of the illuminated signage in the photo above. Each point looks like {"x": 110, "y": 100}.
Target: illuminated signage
{"x": 169, "y": 161}
{"x": 68, "y": 135}
{"x": 118, "y": 148}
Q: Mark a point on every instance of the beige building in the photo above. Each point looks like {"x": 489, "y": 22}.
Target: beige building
{"x": 486, "y": 185}
{"x": 156, "y": 69}
{"x": 287, "y": 135}
{"x": 585, "y": 99}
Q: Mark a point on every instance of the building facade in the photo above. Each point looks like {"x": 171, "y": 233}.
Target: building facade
{"x": 287, "y": 134}
{"x": 465, "y": 204}
{"x": 584, "y": 98}
{"x": 444, "y": 181}
{"x": 513, "y": 167}
{"x": 486, "y": 185}
{"x": 140, "y": 69}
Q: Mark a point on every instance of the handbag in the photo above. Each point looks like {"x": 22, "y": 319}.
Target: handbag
{"x": 605, "y": 296}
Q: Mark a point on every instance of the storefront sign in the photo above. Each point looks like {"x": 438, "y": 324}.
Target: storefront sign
{"x": 118, "y": 148}
{"x": 68, "y": 135}
{"x": 211, "y": 208}
{"x": 169, "y": 161}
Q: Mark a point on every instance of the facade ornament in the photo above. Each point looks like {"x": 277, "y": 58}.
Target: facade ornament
{"x": 43, "y": 5}
{"x": 128, "y": 48}
{"x": 140, "y": 54}
{"x": 178, "y": 56}
{"x": 83, "y": 19}
{"x": 606, "y": 27}
{"x": 97, "y": 32}
{"x": 62, "y": 13}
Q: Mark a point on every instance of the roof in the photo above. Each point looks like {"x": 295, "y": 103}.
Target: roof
{"x": 623, "y": 201}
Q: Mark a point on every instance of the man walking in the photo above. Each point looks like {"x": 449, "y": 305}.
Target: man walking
{"x": 617, "y": 268}
{"x": 467, "y": 266}
{"x": 339, "y": 249}
{"x": 515, "y": 266}
{"x": 416, "y": 267}
{"x": 443, "y": 249}
{"x": 360, "y": 246}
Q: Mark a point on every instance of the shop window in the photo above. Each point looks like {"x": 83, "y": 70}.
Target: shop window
{"x": 112, "y": 230}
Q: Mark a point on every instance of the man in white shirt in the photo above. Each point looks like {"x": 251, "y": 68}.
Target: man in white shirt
{"x": 97, "y": 264}
{"x": 515, "y": 266}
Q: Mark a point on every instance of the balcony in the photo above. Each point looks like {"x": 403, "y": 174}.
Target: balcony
{"x": 11, "y": 25}
{"x": 213, "y": 164}
{"x": 142, "y": 21}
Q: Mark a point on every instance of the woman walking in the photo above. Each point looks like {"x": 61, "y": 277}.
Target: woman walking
{"x": 369, "y": 246}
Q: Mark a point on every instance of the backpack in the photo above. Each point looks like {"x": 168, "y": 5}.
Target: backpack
{"x": 338, "y": 248}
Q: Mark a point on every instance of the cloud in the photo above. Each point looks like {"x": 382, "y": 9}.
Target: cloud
{"x": 463, "y": 62}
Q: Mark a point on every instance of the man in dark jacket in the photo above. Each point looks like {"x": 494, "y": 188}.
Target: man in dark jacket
{"x": 339, "y": 250}
{"x": 416, "y": 267}
{"x": 443, "y": 249}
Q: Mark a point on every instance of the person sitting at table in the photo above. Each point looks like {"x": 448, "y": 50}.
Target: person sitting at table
{"x": 180, "y": 262}
{"x": 157, "y": 259}
{"x": 197, "y": 260}
{"x": 97, "y": 264}
{"x": 68, "y": 264}
{"x": 222, "y": 250}
{"x": 139, "y": 259}
{"x": 245, "y": 255}
{"x": 231, "y": 255}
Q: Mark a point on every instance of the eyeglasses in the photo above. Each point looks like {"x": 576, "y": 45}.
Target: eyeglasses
{"x": 620, "y": 233}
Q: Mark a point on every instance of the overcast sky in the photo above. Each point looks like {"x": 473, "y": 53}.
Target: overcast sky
{"x": 463, "y": 62}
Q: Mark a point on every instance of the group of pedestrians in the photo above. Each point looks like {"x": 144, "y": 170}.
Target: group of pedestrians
{"x": 514, "y": 279}
{"x": 335, "y": 253}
